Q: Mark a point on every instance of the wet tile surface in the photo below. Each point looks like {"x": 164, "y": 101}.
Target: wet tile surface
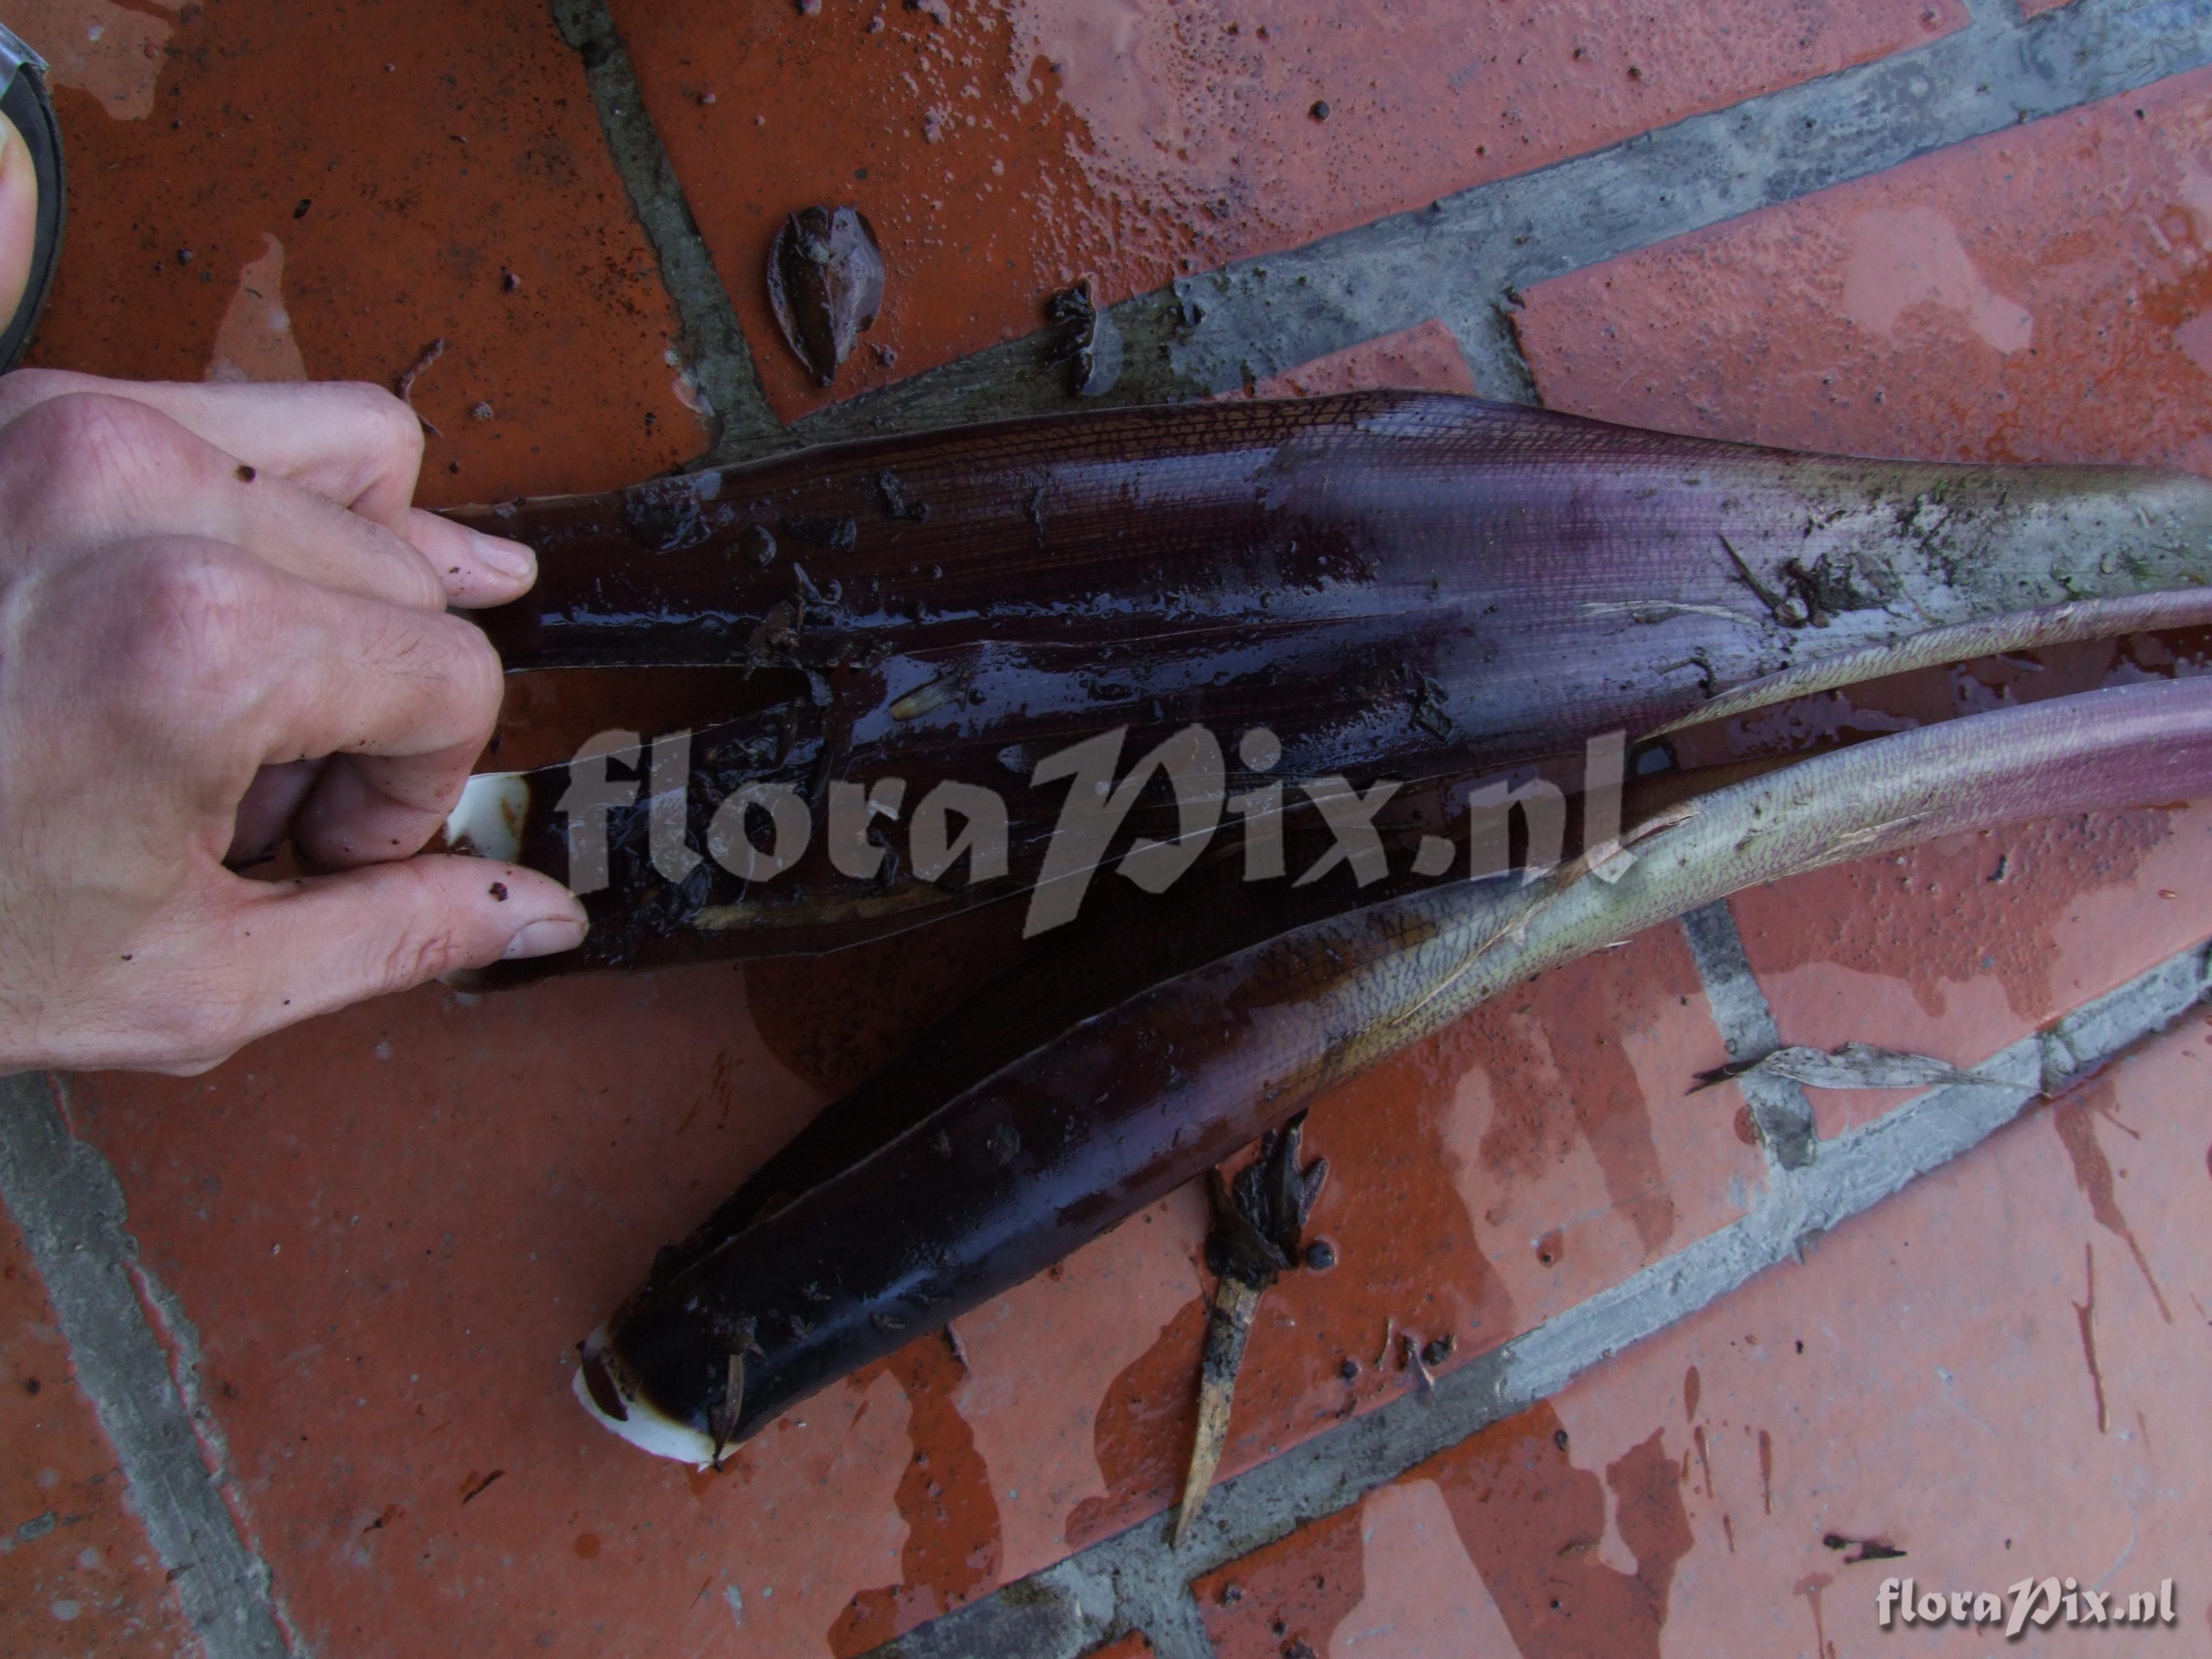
{"x": 221, "y": 225}
{"x": 77, "y": 1573}
{"x": 1958, "y": 948}
{"x": 390, "y": 1228}
{"x": 1714, "y": 1490}
{"x": 1426, "y": 356}
{"x": 1542, "y": 1149}
{"x": 2058, "y": 271}
{"x": 475, "y": 1184}
{"x": 1000, "y": 153}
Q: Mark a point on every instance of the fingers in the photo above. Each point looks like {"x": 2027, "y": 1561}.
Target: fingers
{"x": 331, "y": 940}
{"x": 274, "y": 953}
{"x": 351, "y": 445}
{"x": 404, "y": 700}
{"x": 212, "y": 665}
{"x": 478, "y": 571}
{"x": 265, "y": 811}
{"x": 89, "y": 470}
{"x": 369, "y": 809}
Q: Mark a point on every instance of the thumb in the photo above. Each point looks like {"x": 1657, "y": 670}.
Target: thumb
{"x": 330, "y": 941}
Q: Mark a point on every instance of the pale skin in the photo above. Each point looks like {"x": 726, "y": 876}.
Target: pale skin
{"x": 223, "y": 628}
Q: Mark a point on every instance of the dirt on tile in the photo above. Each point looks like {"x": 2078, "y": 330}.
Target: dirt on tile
{"x": 2057, "y": 272}
{"x": 1298, "y": 1589}
{"x": 1003, "y": 153}
{"x": 222, "y": 225}
{"x": 77, "y": 1573}
{"x": 952, "y": 1548}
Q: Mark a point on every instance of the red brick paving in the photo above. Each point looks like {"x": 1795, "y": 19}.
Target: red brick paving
{"x": 1000, "y": 155}
{"x": 1941, "y": 1376}
{"x": 1297, "y": 1589}
{"x": 77, "y": 1573}
{"x": 449, "y": 1192}
{"x": 1536, "y": 1152}
{"x": 1426, "y": 355}
{"x": 1940, "y": 950}
{"x": 2057, "y": 272}
{"x": 437, "y": 150}
{"x": 1131, "y": 1646}
{"x": 392, "y": 1227}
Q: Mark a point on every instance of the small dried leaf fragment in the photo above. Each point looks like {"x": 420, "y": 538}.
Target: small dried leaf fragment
{"x": 825, "y": 285}
{"x": 1088, "y": 342}
{"x": 1854, "y": 1066}
{"x": 1258, "y": 1235}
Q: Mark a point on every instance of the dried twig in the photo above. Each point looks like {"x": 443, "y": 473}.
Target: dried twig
{"x": 404, "y": 385}
{"x": 1854, "y": 1066}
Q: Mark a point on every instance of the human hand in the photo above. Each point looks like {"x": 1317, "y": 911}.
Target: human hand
{"x": 223, "y": 625}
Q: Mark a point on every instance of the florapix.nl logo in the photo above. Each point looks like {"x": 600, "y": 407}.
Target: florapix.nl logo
{"x": 956, "y": 830}
{"x": 2029, "y": 1605}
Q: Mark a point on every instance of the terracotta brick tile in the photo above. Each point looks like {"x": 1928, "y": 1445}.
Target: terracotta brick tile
{"x": 1538, "y": 1151}
{"x": 264, "y": 190}
{"x": 391, "y": 1226}
{"x": 1111, "y": 1308}
{"x": 1131, "y": 1646}
{"x": 1297, "y": 1589}
{"x": 2037, "y": 295}
{"x": 1960, "y": 947}
{"x": 1001, "y": 154}
{"x": 1990, "y": 1371}
{"x": 77, "y": 1573}
{"x": 1426, "y": 355}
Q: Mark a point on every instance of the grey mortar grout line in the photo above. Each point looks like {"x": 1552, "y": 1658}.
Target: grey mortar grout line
{"x": 1134, "y": 1581}
{"x": 715, "y": 352}
{"x": 1467, "y": 257}
{"x": 1778, "y": 1105}
{"x": 70, "y": 1206}
{"x": 1491, "y": 345}
{"x": 1473, "y": 252}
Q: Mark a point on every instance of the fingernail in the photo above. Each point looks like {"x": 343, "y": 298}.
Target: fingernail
{"x": 508, "y": 558}
{"x": 543, "y": 938}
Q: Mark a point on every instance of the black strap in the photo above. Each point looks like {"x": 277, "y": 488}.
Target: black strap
{"x": 27, "y": 105}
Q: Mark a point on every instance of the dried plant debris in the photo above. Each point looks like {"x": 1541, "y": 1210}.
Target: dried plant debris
{"x": 736, "y": 1340}
{"x": 1258, "y": 1235}
{"x": 825, "y": 285}
{"x": 1087, "y": 342}
{"x": 1854, "y": 1066}
{"x": 404, "y": 385}
{"x": 1869, "y": 1549}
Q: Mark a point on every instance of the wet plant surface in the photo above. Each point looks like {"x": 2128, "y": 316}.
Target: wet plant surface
{"x": 825, "y": 285}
